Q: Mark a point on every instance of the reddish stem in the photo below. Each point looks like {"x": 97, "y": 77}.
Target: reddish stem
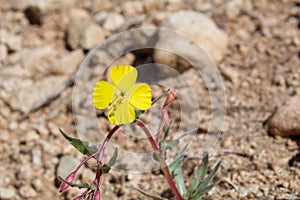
{"x": 163, "y": 164}
{"x": 105, "y": 142}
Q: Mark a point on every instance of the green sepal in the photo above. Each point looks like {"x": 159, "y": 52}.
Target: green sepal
{"x": 82, "y": 146}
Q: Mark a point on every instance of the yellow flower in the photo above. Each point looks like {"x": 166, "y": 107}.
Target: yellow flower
{"x": 122, "y": 95}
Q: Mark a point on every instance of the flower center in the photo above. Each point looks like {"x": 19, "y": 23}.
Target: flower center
{"x": 121, "y": 96}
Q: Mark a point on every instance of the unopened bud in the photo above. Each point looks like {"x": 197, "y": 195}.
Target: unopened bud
{"x": 97, "y": 194}
{"x": 170, "y": 98}
{"x": 69, "y": 179}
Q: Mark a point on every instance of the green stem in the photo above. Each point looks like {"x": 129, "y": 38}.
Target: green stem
{"x": 161, "y": 160}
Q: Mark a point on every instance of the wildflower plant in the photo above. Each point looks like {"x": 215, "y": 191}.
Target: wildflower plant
{"x": 126, "y": 101}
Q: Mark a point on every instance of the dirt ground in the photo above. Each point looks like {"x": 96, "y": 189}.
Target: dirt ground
{"x": 260, "y": 68}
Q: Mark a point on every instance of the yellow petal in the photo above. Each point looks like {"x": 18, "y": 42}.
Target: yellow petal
{"x": 140, "y": 96}
{"x": 124, "y": 114}
{"x": 103, "y": 94}
{"x": 127, "y": 81}
{"x": 118, "y": 71}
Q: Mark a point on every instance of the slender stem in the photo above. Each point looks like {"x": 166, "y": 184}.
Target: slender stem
{"x": 105, "y": 142}
{"x": 163, "y": 164}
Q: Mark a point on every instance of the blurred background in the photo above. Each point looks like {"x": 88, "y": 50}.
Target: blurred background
{"x": 255, "y": 45}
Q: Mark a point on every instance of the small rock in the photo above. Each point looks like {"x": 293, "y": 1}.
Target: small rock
{"x": 30, "y": 136}
{"x": 16, "y": 91}
{"x": 3, "y": 52}
{"x": 199, "y": 28}
{"x": 113, "y": 22}
{"x": 38, "y": 185}
{"x": 13, "y": 125}
{"x": 27, "y": 192}
{"x": 68, "y": 64}
{"x": 286, "y": 120}
{"x": 79, "y": 20}
{"x": 150, "y": 5}
{"x": 7, "y": 193}
{"x": 37, "y": 156}
{"x": 66, "y": 165}
{"x": 231, "y": 74}
{"x": 24, "y": 172}
{"x": 231, "y": 8}
{"x": 41, "y": 129}
{"x": 91, "y": 36}
{"x": 82, "y": 31}
{"x": 13, "y": 42}
{"x": 132, "y": 8}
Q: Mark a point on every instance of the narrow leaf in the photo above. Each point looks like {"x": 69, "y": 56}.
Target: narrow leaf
{"x": 200, "y": 173}
{"x": 204, "y": 190}
{"x": 113, "y": 159}
{"x": 154, "y": 196}
{"x": 178, "y": 177}
{"x": 201, "y": 187}
{"x": 82, "y": 146}
{"x": 168, "y": 144}
{"x": 177, "y": 160}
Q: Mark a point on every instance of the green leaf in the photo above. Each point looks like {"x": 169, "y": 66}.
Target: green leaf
{"x": 82, "y": 146}
{"x": 204, "y": 190}
{"x": 200, "y": 173}
{"x": 202, "y": 187}
{"x": 168, "y": 144}
{"x": 178, "y": 177}
{"x": 177, "y": 160}
{"x": 211, "y": 175}
{"x": 106, "y": 167}
{"x": 113, "y": 159}
{"x": 154, "y": 196}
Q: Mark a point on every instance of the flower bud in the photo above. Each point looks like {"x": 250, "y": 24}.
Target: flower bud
{"x": 170, "y": 98}
{"x": 97, "y": 194}
{"x": 65, "y": 185}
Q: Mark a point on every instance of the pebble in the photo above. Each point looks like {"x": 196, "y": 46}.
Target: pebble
{"x": 67, "y": 64}
{"x": 7, "y": 193}
{"x": 24, "y": 172}
{"x": 27, "y": 192}
{"x": 37, "y": 156}
{"x": 66, "y": 165}
{"x": 286, "y": 120}
{"x": 132, "y": 8}
{"x": 79, "y": 20}
{"x": 31, "y": 135}
{"x": 82, "y": 32}
{"x": 113, "y": 22}
{"x": 13, "y": 42}
{"x": 91, "y": 36}
{"x": 199, "y": 28}
{"x": 3, "y": 52}
{"x": 38, "y": 185}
